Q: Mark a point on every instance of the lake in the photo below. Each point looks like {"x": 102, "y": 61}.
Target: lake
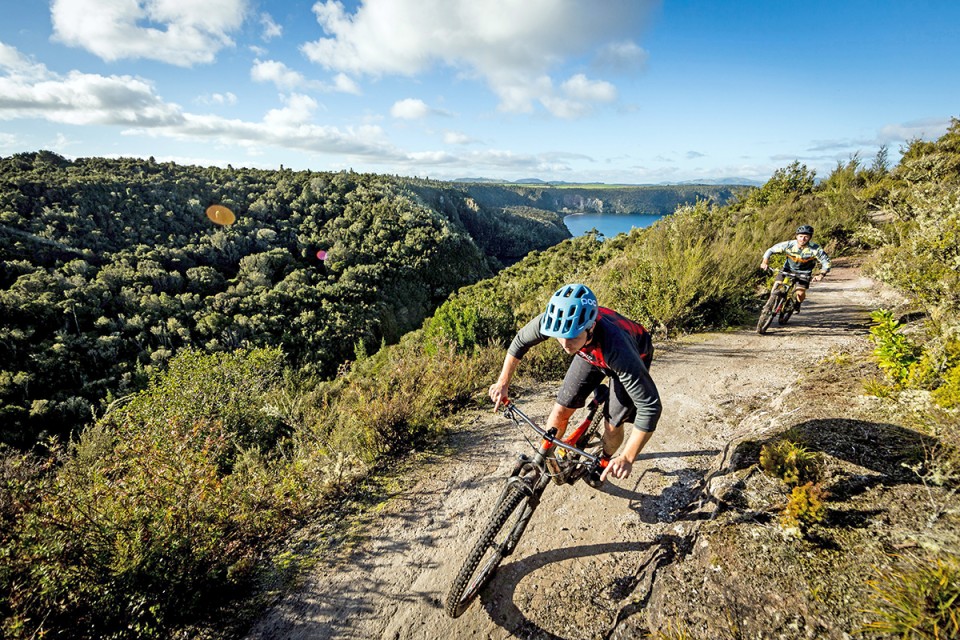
{"x": 608, "y": 224}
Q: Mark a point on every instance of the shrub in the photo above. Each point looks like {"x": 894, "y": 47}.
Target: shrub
{"x": 228, "y": 388}
{"x": 139, "y": 531}
{"x": 947, "y": 395}
{"x": 918, "y": 598}
{"x": 805, "y": 506}
{"x": 790, "y": 462}
{"x": 894, "y": 352}
{"x": 469, "y": 323}
{"x": 156, "y": 513}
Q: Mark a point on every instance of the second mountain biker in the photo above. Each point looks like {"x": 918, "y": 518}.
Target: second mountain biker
{"x": 606, "y": 344}
{"x": 802, "y": 256}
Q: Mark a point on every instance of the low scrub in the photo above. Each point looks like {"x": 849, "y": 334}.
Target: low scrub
{"x": 791, "y": 462}
{"x": 918, "y": 598}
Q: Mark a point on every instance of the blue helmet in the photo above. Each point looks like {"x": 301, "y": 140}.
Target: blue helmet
{"x": 571, "y": 310}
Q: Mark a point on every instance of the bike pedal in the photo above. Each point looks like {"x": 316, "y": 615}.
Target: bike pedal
{"x": 593, "y": 480}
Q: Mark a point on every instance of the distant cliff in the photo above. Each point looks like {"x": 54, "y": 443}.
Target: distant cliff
{"x": 660, "y": 200}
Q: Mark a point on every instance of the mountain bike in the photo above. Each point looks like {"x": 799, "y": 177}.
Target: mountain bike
{"x": 559, "y": 461}
{"x": 780, "y": 304}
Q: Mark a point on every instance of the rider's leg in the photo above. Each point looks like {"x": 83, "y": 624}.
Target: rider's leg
{"x": 559, "y": 418}
{"x": 619, "y": 410}
{"x": 612, "y": 438}
{"x": 581, "y": 380}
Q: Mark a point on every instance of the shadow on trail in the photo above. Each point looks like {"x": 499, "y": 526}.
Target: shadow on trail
{"x": 672, "y": 503}
{"x": 499, "y": 596}
{"x": 818, "y": 314}
{"x": 883, "y": 451}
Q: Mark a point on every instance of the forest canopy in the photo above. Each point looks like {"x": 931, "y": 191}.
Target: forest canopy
{"x": 110, "y": 267}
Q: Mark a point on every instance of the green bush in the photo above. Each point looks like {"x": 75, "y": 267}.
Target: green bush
{"x": 947, "y": 395}
{"x": 469, "y": 323}
{"x": 894, "y": 352}
{"x": 790, "y": 462}
{"x": 231, "y": 389}
{"x": 139, "y": 530}
{"x": 156, "y": 513}
{"x": 807, "y": 505}
{"x": 918, "y": 598}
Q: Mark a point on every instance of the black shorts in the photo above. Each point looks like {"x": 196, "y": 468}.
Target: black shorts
{"x": 583, "y": 378}
{"x": 802, "y": 278}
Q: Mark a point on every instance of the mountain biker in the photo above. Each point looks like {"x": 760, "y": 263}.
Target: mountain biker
{"x": 801, "y": 258}
{"x": 605, "y": 344}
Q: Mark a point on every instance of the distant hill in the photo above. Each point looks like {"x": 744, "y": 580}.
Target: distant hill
{"x": 599, "y": 198}
{"x": 724, "y": 181}
{"x": 538, "y": 181}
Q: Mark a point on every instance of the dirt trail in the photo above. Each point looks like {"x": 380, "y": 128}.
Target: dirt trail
{"x": 588, "y": 556}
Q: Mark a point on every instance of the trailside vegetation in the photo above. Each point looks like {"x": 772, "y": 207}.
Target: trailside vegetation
{"x": 109, "y": 268}
{"x": 166, "y": 505}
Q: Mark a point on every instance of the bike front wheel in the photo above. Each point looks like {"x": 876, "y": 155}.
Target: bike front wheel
{"x": 769, "y": 311}
{"x": 499, "y": 538}
{"x": 784, "y": 316}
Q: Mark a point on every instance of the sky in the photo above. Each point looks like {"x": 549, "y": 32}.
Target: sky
{"x": 614, "y": 91}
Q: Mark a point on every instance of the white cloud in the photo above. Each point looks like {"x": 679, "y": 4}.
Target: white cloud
{"x": 456, "y": 137}
{"x": 84, "y": 99}
{"x": 344, "y": 84}
{"x": 511, "y": 44}
{"x": 219, "y": 99}
{"x": 276, "y": 72}
{"x": 271, "y": 29}
{"x": 130, "y": 102}
{"x": 17, "y": 65}
{"x": 298, "y": 111}
{"x": 621, "y": 56}
{"x": 927, "y": 129}
{"x": 564, "y": 107}
{"x": 410, "y": 109}
{"x": 579, "y": 87}
{"x": 286, "y": 78}
{"x": 178, "y": 32}
{"x": 580, "y": 94}
{"x": 8, "y": 140}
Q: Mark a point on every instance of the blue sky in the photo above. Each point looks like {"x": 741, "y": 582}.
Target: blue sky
{"x": 617, "y": 91}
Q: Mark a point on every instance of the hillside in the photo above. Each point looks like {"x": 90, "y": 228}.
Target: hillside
{"x": 109, "y": 268}
{"x": 805, "y": 480}
{"x": 608, "y": 199}
{"x": 691, "y": 533}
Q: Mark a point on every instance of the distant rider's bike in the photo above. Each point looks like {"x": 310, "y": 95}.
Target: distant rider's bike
{"x": 521, "y": 494}
{"x": 780, "y": 303}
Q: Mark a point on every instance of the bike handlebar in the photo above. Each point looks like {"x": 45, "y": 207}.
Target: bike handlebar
{"x": 510, "y": 410}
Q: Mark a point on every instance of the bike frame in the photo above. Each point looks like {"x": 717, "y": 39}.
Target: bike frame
{"x": 551, "y": 442}
{"x": 784, "y": 288}
{"x": 534, "y": 487}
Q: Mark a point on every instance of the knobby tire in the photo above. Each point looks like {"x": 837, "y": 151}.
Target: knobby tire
{"x": 786, "y": 313}
{"x": 475, "y": 574}
{"x": 766, "y": 316}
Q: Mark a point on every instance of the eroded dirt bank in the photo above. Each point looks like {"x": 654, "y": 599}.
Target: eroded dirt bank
{"x": 589, "y": 563}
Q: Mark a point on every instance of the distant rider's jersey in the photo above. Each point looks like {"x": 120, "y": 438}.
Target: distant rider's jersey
{"x": 622, "y": 349}
{"x": 800, "y": 258}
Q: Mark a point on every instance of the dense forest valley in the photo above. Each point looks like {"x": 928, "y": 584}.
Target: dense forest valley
{"x": 110, "y": 268}
{"x": 177, "y": 397}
